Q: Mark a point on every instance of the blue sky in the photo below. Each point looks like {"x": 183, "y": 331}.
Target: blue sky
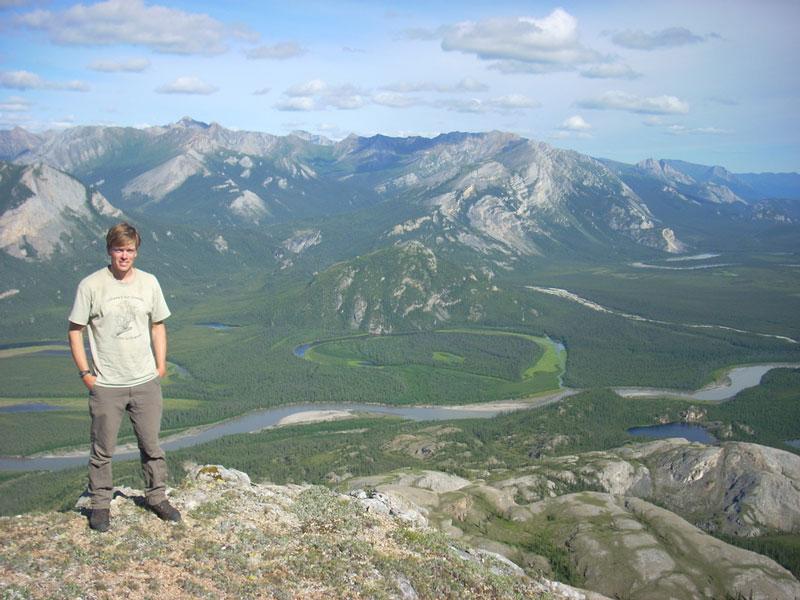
{"x": 711, "y": 82}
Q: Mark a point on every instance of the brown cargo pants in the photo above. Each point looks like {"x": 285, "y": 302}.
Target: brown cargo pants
{"x": 107, "y": 406}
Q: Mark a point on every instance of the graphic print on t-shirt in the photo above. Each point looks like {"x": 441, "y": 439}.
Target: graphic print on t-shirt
{"x": 125, "y": 317}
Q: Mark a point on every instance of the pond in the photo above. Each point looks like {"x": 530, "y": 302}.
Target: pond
{"x": 693, "y": 433}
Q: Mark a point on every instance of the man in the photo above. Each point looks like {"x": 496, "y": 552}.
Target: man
{"x": 124, "y": 310}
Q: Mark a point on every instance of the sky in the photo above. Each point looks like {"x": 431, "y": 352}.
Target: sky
{"x": 712, "y": 82}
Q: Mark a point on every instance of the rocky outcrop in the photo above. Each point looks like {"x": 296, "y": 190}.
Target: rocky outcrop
{"x": 735, "y": 488}
{"x": 619, "y": 546}
{"x": 238, "y": 540}
{"x": 248, "y": 205}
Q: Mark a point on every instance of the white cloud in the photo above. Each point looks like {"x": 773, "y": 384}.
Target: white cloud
{"x": 300, "y": 103}
{"x": 575, "y": 123}
{"x": 280, "y": 51}
{"x": 25, "y": 80}
{"x": 657, "y": 105}
{"x": 666, "y": 38}
{"x": 159, "y": 28}
{"x": 512, "y": 102}
{"x": 262, "y": 91}
{"x": 187, "y": 85}
{"x": 131, "y": 65}
{"x": 395, "y": 100}
{"x": 309, "y": 88}
{"x": 15, "y": 104}
{"x": 524, "y": 44}
{"x": 610, "y": 71}
{"x": 318, "y": 95}
{"x": 467, "y": 84}
{"x": 683, "y": 130}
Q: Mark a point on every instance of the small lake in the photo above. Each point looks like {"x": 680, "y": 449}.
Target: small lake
{"x": 693, "y": 433}
{"x": 217, "y": 326}
{"x": 793, "y": 443}
{"x": 249, "y": 423}
{"x": 301, "y": 350}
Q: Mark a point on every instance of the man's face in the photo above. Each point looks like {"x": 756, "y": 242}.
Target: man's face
{"x": 122, "y": 257}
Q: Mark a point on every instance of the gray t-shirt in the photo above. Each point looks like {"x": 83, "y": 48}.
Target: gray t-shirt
{"x": 119, "y": 316}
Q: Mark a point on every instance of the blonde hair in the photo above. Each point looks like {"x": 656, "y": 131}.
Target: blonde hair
{"x": 122, "y": 234}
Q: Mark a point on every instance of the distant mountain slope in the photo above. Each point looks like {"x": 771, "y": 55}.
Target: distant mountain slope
{"x": 17, "y": 141}
{"x": 43, "y": 209}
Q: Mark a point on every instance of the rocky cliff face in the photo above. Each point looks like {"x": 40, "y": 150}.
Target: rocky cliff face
{"x": 47, "y": 208}
{"x": 242, "y": 540}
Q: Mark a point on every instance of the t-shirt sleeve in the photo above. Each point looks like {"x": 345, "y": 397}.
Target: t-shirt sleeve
{"x": 160, "y": 308}
{"x": 82, "y": 307}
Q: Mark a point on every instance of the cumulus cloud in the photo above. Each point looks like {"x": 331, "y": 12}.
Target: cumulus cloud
{"x": 131, "y": 65}
{"x": 158, "y": 28}
{"x": 575, "y": 123}
{"x": 262, "y": 91}
{"x": 15, "y": 104}
{"x": 309, "y": 88}
{"x": 318, "y": 95}
{"x": 521, "y": 44}
{"x": 280, "y": 51}
{"x": 610, "y": 71}
{"x": 467, "y": 84}
{"x": 666, "y": 38}
{"x": 300, "y": 103}
{"x": 657, "y": 105}
{"x": 25, "y": 80}
{"x": 187, "y": 85}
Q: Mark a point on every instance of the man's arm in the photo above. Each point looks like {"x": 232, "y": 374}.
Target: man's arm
{"x": 158, "y": 336}
{"x": 75, "y": 335}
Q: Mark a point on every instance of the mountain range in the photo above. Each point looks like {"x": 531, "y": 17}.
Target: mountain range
{"x": 493, "y": 193}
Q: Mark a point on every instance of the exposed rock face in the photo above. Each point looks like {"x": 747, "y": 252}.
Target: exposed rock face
{"x": 241, "y": 540}
{"x": 302, "y": 240}
{"x": 167, "y": 177}
{"x": 249, "y": 206}
{"x": 51, "y": 204}
{"x": 735, "y": 488}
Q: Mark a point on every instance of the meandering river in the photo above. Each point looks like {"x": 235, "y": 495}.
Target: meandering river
{"x": 737, "y": 379}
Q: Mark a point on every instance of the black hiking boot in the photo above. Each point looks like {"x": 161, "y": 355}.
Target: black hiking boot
{"x": 165, "y": 511}
{"x": 100, "y": 519}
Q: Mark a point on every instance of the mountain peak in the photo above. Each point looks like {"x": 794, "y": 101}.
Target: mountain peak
{"x": 190, "y": 123}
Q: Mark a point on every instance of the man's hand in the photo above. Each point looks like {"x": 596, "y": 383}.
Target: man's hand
{"x": 162, "y": 372}
{"x": 88, "y": 381}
